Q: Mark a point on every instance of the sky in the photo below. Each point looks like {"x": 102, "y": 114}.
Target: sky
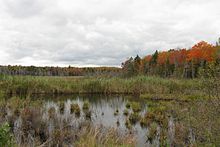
{"x": 101, "y": 32}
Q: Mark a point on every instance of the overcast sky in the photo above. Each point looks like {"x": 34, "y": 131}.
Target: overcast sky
{"x": 101, "y": 32}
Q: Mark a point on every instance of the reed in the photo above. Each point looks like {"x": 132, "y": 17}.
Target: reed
{"x": 28, "y": 85}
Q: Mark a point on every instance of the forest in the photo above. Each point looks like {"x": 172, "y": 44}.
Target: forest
{"x": 58, "y": 71}
{"x": 180, "y": 63}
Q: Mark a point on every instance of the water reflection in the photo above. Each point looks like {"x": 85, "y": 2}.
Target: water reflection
{"x": 102, "y": 113}
{"x": 56, "y": 112}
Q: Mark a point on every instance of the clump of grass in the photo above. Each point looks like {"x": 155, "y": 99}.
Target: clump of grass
{"x": 148, "y": 118}
{"x": 116, "y": 112}
{"x": 128, "y": 105}
{"x": 88, "y": 114}
{"x": 152, "y": 132}
{"x": 17, "y": 112}
{"x": 3, "y": 111}
{"x": 154, "y": 116}
{"x": 134, "y": 117}
{"x": 136, "y": 107}
{"x": 86, "y": 105}
{"x": 118, "y": 123}
{"x": 94, "y": 137}
{"x": 62, "y": 106}
{"x": 60, "y": 135}
{"x": 51, "y": 112}
{"x": 74, "y": 108}
{"x": 126, "y": 112}
{"x": 128, "y": 124}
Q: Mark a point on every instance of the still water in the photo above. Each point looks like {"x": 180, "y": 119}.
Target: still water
{"x": 103, "y": 110}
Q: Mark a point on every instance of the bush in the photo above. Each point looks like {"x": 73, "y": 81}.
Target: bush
{"x": 6, "y": 138}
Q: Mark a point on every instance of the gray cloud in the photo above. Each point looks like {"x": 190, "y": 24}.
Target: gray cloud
{"x": 100, "y": 32}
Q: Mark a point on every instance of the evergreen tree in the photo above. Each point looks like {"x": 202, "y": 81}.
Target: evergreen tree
{"x": 154, "y": 58}
{"x": 137, "y": 64}
{"x": 128, "y": 67}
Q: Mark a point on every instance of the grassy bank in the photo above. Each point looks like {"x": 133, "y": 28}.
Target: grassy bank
{"x": 28, "y": 85}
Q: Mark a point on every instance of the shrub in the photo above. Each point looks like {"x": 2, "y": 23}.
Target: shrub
{"x": 6, "y": 138}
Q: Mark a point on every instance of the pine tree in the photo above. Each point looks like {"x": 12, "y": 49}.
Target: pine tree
{"x": 137, "y": 65}
{"x": 154, "y": 58}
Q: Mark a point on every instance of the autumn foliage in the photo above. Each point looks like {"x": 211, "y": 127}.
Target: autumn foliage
{"x": 202, "y": 51}
{"x": 180, "y": 62}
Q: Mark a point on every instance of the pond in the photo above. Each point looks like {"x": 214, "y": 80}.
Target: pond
{"x": 107, "y": 111}
{"x": 103, "y": 112}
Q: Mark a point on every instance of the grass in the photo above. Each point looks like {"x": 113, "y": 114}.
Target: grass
{"x": 93, "y": 137}
{"x": 136, "y": 107}
{"x": 148, "y": 88}
{"x": 126, "y": 112}
{"x": 75, "y": 109}
{"x": 200, "y": 114}
{"x": 116, "y": 112}
{"x": 134, "y": 117}
{"x": 86, "y": 105}
{"x": 28, "y": 85}
{"x": 174, "y": 97}
{"x": 62, "y": 106}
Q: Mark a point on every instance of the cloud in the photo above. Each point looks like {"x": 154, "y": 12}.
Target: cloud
{"x": 100, "y": 32}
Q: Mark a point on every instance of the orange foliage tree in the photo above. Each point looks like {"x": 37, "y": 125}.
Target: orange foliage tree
{"x": 201, "y": 51}
{"x": 178, "y": 57}
{"x": 162, "y": 57}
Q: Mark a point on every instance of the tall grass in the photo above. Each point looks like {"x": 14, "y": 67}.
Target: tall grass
{"x": 95, "y": 137}
{"x": 28, "y": 85}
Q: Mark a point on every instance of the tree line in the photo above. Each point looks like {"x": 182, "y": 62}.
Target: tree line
{"x": 175, "y": 62}
{"x": 184, "y": 63}
{"x": 59, "y": 71}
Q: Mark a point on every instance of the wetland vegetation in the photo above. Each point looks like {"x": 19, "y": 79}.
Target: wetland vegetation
{"x": 137, "y": 111}
{"x": 149, "y": 102}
